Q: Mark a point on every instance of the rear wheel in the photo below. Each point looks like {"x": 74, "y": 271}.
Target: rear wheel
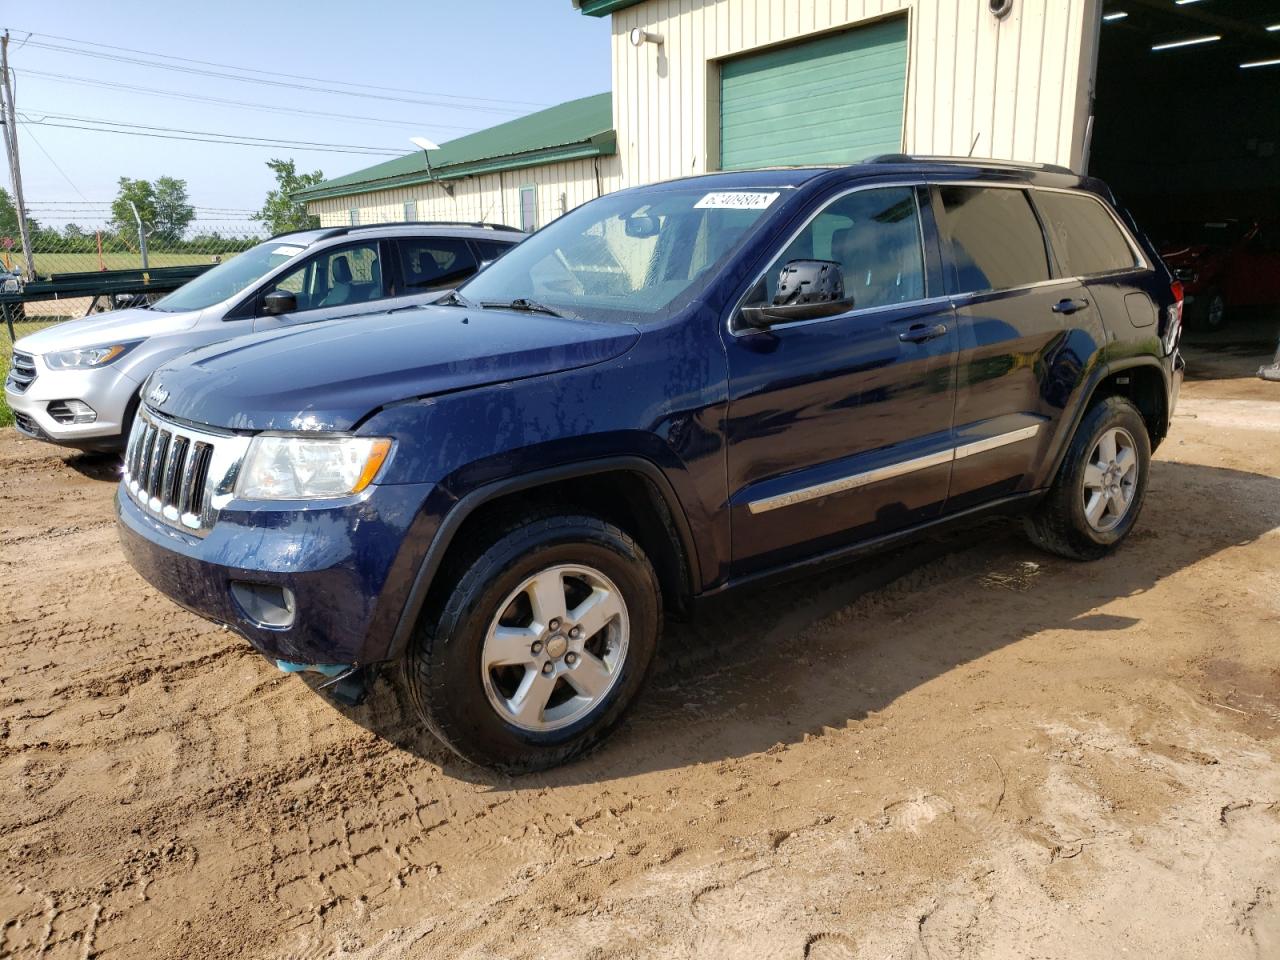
{"x": 1098, "y": 493}
{"x": 1214, "y": 311}
{"x": 541, "y": 647}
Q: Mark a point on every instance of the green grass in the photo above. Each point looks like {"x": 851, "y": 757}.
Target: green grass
{"x": 47, "y": 263}
{"x": 6, "y": 354}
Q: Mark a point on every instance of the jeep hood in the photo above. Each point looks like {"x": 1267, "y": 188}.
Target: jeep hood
{"x": 104, "y": 329}
{"x": 329, "y": 376}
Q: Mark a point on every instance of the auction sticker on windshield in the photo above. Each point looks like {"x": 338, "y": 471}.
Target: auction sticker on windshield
{"x": 286, "y": 251}
{"x": 727, "y": 200}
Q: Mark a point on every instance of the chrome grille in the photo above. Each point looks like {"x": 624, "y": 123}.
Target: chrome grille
{"x": 181, "y": 474}
{"x": 22, "y": 371}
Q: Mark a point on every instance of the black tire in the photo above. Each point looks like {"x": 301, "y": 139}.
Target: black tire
{"x": 1059, "y": 524}
{"x": 443, "y": 672}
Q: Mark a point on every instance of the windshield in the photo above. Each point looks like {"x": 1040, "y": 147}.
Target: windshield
{"x": 228, "y": 279}
{"x": 632, "y": 257}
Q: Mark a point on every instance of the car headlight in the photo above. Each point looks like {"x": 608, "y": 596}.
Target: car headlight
{"x": 88, "y": 357}
{"x": 308, "y": 468}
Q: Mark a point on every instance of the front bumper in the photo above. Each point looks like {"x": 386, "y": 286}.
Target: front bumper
{"x": 348, "y": 566}
{"x": 105, "y": 389}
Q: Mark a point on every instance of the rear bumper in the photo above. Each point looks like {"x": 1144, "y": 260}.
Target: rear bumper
{"x": 347, "y": 568}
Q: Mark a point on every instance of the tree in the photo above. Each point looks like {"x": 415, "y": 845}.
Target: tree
{"x": 173, "y": 209}
{"x": 281, "y": 212}
{"x": 143, "y": 196}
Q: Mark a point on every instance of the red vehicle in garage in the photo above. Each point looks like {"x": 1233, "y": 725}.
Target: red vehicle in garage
{"x": 1224, "y": 265}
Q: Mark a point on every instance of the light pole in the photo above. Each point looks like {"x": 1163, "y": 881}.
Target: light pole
{"x": 426, "y": 146}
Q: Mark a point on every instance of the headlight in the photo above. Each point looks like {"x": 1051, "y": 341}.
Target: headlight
{"x": 308, "y": 468}
{"x": 87, "y": 357}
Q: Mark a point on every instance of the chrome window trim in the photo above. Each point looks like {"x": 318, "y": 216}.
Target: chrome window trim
{"x": 856, "y": 311}
{"x": 891, "y": 471}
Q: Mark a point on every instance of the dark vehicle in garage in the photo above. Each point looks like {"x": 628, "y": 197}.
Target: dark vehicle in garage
{"x": 668, "y": 392}
{"x": 1224, "y": 266}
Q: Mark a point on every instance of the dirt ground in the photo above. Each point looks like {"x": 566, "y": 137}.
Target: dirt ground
{"x": 966, "y": 749}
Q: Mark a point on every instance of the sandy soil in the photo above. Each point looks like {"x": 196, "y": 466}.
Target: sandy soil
{"x": 967, "y": 749}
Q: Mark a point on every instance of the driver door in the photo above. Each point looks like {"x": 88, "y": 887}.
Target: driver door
{"x": 342, "y": 281}
{"x": 840, "y": 427}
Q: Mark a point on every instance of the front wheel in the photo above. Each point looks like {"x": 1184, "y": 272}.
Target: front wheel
{"x": 1098, "y": 493}
{"x": 541, "y": 647}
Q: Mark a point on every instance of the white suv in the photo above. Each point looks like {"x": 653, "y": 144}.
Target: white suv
{"x": 77, "y": 383}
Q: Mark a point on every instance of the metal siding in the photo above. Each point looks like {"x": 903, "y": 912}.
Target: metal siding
{"x": 835, "y": 99}
{"x": 1018, "y": 85}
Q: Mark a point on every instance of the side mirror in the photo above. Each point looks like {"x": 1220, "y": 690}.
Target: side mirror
{"x": 279, "y": 301}
{"x": 807, "y": 290}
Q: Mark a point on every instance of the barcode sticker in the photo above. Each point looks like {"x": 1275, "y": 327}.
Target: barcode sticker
{"x": 725, "y": 200}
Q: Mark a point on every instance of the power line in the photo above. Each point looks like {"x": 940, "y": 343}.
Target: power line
{"x": 34, "y": 139}
{"x": 265, "y": 107}
{"x": 272, "y": 73}
{"x": 271, "y": 83}
{"x": 200, "y": 136}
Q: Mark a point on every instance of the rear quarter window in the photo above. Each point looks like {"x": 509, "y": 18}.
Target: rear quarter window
{"x": 1085, "y": 237}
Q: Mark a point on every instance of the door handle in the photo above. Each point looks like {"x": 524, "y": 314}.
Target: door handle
{"x": 920, "y": 332}
{"x": 1069, "y": 306}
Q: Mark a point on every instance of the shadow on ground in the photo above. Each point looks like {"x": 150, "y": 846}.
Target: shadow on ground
{"x": 770, "y": 665}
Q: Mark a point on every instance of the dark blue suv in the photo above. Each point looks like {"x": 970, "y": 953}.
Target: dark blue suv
{"x": 668, "y": 392}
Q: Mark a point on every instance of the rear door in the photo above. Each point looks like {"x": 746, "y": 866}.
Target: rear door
{"x": 1015, "y": 314}
{"x": 840, "y": 428}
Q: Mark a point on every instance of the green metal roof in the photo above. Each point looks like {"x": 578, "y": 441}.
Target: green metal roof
{"x": 571, "y": 131}
{"x": 602, "y": 8}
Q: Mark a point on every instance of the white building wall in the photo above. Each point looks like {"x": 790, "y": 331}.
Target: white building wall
{"x": 1019, "y": 85}
{"x": 490, "y": 198}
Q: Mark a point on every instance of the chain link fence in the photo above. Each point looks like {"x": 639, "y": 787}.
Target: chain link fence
{"x": 73, "y": 248}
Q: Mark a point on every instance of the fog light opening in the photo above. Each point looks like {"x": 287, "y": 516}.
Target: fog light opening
{"x": 72, "y": 411}
{"x": 265, "y": 604}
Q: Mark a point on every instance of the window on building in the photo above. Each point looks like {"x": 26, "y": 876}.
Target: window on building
{"x": 353, "y": 216}
{"x": 1085, "y": 237}
{"x": 875, "y": 237}
{"x": 428, "y": 263}
{"x": 528, "y": 208}
{"x": 995, "y": 238}
{"x": 410, "y": 211}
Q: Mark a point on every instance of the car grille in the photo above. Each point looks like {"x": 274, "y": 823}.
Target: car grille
{"x": 28, "y": 426}
{"x": 22, "y": 371}
{"x": 181, "y": 474}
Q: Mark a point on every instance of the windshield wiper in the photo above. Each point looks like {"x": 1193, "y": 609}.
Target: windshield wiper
{"x": 525, "y": 304}
{"x": 454, "y": 299}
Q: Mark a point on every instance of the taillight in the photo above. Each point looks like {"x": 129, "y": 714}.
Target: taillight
{"x": 1173, "y": 328}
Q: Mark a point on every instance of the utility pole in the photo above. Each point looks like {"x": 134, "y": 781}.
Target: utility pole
{"x": 10, "y": 122}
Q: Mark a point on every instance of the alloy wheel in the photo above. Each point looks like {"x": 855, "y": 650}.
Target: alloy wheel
{"x": 555, "y": 648}
{"x": 1110, "y": 479}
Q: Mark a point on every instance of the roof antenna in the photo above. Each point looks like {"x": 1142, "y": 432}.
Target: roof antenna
{"x": 973, "y": 146}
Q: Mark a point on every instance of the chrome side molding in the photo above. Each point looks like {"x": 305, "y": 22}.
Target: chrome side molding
{"x": 853, "y": 481}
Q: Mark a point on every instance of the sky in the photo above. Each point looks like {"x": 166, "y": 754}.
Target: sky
{"x": 455, "y": 66}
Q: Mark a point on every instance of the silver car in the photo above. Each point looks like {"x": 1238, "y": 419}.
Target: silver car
{"x": 77, "y": 383}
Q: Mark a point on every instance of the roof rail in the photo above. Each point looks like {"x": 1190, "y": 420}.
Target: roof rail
{"x": 972, "y": 162}
{"x": 341, "y": 231}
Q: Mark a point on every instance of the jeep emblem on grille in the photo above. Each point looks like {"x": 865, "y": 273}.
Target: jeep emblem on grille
{"x": 158, "y": 394}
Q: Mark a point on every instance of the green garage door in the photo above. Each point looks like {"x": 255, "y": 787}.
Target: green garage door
{"x": 837, "y": 99}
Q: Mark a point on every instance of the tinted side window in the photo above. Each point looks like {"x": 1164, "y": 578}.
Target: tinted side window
{"x": 995, "y": 238}
{"x": 1084, "y": 235}
{"x": 491, "y": 249}
{"x": 875, "y": 237}
{"x": 427, "y": 262}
